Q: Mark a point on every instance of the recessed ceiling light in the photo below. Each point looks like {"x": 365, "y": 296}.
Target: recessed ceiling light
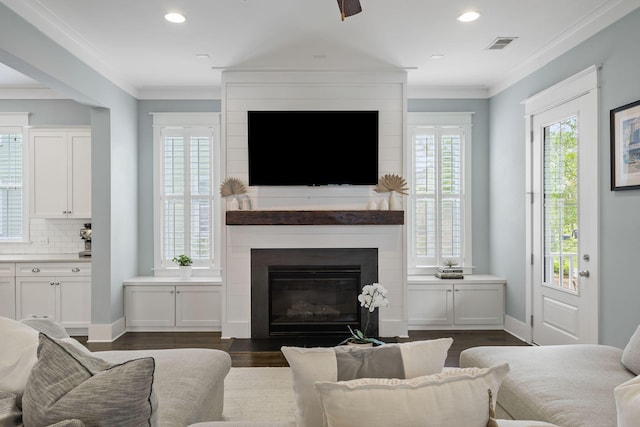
{"x": 437, "y": 56}
{"x": 469, "y": 16}
{"x": 202, "y": 55}
{"x": 176, "y": 18}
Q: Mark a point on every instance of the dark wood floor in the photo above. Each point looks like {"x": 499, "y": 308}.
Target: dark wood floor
{"x": 250, "y": 353}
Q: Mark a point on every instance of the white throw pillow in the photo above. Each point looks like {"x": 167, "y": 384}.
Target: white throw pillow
{"x": 309, "y": 365}
{"x": 631, "y": 353}
{"x": 449, "y": 399}
{"x": 627, "y": 397}
{"x": 18, "y": 355}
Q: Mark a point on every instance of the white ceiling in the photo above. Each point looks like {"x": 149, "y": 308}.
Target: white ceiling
{"x": 129, "y": 42}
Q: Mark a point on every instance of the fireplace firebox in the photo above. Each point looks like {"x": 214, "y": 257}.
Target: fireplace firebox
{"x": 313, "y": 299}
{"x": 310, "y": 292}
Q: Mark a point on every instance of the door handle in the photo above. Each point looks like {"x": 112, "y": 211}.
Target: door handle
{"x": 583, "y": 273}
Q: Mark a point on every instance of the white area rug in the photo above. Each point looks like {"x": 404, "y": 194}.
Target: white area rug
{"x": 258, "y": 394}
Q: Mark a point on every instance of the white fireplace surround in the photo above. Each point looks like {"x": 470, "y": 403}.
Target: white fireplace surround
{"x": 383, "y": 91}
{"x": 236, "y": 310}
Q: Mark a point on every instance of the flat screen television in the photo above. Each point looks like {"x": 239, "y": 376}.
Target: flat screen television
{"x": 313, "y": 148}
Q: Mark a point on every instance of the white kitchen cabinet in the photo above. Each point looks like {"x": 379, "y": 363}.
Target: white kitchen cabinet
{"x": 475, "y": 302}
{"x": 59, "y": 290}
{"x": 7, "y": 290}
{"x": 161, "y": 306}
{"x": 60, "y": 173}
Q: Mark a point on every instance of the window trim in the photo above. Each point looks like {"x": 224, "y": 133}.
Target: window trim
{"x": 211, "y": 122}
{"x": 465, "y": 121}
{"x": 20, "y": 122}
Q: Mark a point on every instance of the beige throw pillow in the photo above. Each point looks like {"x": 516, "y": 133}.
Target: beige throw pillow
{"x": 452, "y": 398}
{"x": 631, "y": 353}
{"x": 18, "y": 355}
{"x": 627, "y": 397}
{"x": 309, "y": 365}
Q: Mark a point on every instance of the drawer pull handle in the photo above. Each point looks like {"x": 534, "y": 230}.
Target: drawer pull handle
{"x": 51, "y": 283}
{"x": 35, "y": 270}
{"x": 75, "y": 269}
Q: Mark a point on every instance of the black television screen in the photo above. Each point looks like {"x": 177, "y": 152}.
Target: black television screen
{"x": 313, "y": 147}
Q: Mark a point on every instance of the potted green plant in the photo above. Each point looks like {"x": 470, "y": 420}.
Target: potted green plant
{"x": 184, "y": 265}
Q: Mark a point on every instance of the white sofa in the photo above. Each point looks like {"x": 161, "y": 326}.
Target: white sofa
{"x": 188, "y": 383}
{"x": 568, "y": 385}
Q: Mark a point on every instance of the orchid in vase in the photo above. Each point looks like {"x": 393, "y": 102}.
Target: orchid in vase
{"x": 371, "y": 297}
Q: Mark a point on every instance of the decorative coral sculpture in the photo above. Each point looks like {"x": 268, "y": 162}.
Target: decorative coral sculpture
{"x": 450, "y": 262}
{"x": 232, "y": 187}
{"x": 391, "y": 182}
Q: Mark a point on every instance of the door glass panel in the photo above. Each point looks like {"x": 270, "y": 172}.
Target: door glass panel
{"x": 561, "y": 204}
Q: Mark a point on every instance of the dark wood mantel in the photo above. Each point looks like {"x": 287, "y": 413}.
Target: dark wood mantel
{"x": 320, "y": 217}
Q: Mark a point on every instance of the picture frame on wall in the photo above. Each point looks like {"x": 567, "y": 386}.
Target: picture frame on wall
{"x": 625, "y": 147}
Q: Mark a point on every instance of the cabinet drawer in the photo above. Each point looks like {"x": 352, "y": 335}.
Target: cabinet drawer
{"x": 7, "y": 269}
{"x": 53, "y": 269}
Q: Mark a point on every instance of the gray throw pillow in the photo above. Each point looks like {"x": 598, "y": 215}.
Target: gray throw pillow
{"x": 382, "y": 362}
{"x": 10, "y": 415}
{"x": 67, "y": 383}
{"x": 47, "y": 326}
{"x": 631, "y": 353}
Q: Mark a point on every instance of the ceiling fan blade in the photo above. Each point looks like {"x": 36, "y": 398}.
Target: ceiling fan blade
{"x": 349, "y": 7}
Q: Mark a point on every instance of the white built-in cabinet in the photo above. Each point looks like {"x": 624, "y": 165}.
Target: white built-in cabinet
{"x": 160, "y": 304}
{"x": 475, "y": 302}
{"x": 60, "y": 173}
{"x": 7, "y": 290}
{"x": 59, "y": 290}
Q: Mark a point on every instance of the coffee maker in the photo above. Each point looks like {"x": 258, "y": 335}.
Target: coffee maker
{"x": 85, "y": 234}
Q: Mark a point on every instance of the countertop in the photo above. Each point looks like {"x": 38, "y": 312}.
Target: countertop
{"x": 167, "y": 280}
{"x": 44, "y": 258}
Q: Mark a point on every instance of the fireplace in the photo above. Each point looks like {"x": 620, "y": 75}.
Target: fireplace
{"x": 310, "y": 292}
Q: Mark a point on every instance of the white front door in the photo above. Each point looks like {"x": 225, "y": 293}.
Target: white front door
{"x": 564, "y": 221}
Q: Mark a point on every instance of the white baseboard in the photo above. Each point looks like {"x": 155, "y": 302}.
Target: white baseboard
{"x": 107, "y": 333}
{"x": 392, "y": 328}
{"x": 236, "y": 329}
{"x": 517, "y": 328}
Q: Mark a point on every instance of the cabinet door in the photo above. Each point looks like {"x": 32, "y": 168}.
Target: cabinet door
{"x": 74, "y": 299}
{"x": 198, "y": 306}
{"x": 36, "y": 296}
{"x": 79, "y": 188}
{"x": 430, "y": 305}
{"x": 152, "y": 306}
{"x": 48, "y": 174}
{"x": 8, "y": 297}
{"x": 481, "y": 304}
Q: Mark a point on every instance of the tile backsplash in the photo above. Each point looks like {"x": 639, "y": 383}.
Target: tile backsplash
{"x": 49, "y": 236}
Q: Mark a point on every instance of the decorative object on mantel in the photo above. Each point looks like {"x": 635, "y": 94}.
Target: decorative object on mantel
{"x": 232, "y": 187}
{"x": 184, "y": 265}
{"x": 449, "y": 270}
{"x": 246, "y": 203}
{"x": 372, "y": 205}
{"x": 384, "y": 205}
{"x": 392, "y": 183}
{"x": 371, "y": 297}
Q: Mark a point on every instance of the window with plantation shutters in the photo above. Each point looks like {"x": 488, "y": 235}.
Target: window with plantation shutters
{"x": 185, "y": 194}
{"x": 11, "y": 184}
{"x": 440, "y": 227}
{"x": 13, "y": 207}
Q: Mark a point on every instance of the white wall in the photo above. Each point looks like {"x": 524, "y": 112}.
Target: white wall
{"x": 243, "y": 91}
